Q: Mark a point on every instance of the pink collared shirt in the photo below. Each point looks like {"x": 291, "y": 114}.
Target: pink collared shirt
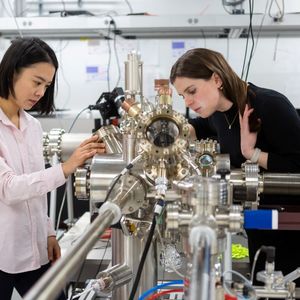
{"x": 24, "y": 184}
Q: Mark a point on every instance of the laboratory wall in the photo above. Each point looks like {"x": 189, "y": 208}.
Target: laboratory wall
{"x": 90, "y": 67}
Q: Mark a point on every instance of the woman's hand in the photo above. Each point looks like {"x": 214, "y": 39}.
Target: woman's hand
{"x": 248, "y": 139}
{"x": 53, "y": 249}
{"x": 87, "y": 149}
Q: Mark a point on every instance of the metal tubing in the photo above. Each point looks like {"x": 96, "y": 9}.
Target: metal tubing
{"x": 53, "y": 196}
{"x": 191, "y": 163}
{"x": 133, "y": 249}
{"x": 69, "y": 142}
{"x": 69, "y": 195}
{"x": 129, "y": 151}
{"x": 117, "y": 248}
{"x": 283, "y": 184}
{"x": 114, "y": 277}
{"x": 200, "y": 279}
{"x": 104, "y": 169}
{"x": 202, "y": 241}
{"x": 133, "y": 80}
{"x": 278, "y": 293}
{"x": 128, "y": 251}
{"x": 291, "y": 276}
{"x": 55, "y": 279}
{"x": 227, "y": 262}
{"x": 109, "y": 136}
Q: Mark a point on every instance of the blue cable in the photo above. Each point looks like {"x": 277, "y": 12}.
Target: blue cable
{"x": 159, "y": 286}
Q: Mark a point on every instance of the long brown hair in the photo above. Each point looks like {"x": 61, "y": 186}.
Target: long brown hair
{"x": 201, "y": 63}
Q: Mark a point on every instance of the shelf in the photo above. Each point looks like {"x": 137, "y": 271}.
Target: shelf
{"x": 170, "y": 26}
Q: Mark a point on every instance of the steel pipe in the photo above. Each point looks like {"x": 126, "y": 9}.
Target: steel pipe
{"x": 280, "y": 183}
{"x": 55, "y": 279}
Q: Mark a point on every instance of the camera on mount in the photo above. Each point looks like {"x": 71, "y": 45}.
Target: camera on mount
{"x": 109, "y": 104}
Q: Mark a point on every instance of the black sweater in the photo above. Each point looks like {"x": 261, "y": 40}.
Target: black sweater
{"x": 279, "y": 134}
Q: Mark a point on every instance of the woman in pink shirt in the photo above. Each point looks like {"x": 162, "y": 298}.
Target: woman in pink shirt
{"x": 27, "y": 240}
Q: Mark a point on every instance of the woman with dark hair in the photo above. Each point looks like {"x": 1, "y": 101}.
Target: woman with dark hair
{"x": 250, "y": 123}
{"x": 28, "y": 243}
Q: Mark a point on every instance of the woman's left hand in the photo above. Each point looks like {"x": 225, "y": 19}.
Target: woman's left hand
{"x": 53, "y": 249}
{"x": 248, "y": 139}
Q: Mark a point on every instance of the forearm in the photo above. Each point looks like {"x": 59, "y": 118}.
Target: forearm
{"x": 16, "y": 188}
{"x": 263, "y": 160}
{"x": 50, "y": 229}
{"x": 257, "y": 156}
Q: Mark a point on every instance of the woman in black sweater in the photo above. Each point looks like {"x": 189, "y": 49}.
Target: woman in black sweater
{"x": 250, "y": 123}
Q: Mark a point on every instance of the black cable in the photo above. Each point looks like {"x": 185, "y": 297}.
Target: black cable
{"x": 117, "y": 59}
{"x": 14, "y": 17}
{"x": 246, "y": 49}
{"x": 76, "y": 118}
{"x": 281, "y": 12}
{"x": 283, "y": 9}
{"x": 164, "y": 261}
{"x": 109, "y": 56}
{"x": 77, "y": 280}
{"x": 10, "y": 14}
{"x": 143, "y": 259}
{"x": 64, "y": 5}
{"x": 224, "y": 6}
{"x": 115, "y": 31}
{"x": 112, "y": 187}
{"x": 260, "y": 26}
{"x": 106, "y": 198}
{"x": 128, "y": 167}
{"x": 251, "y": 5}
{"x": 130, "y": 7}
{"x": 61, "y": 209}
{"x": 99, "y": 267}
{"x": 245, "y": 56}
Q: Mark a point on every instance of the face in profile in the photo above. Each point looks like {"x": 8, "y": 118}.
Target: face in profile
{"x": 31, "y": 83}
{"x": 200, "y": 95}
